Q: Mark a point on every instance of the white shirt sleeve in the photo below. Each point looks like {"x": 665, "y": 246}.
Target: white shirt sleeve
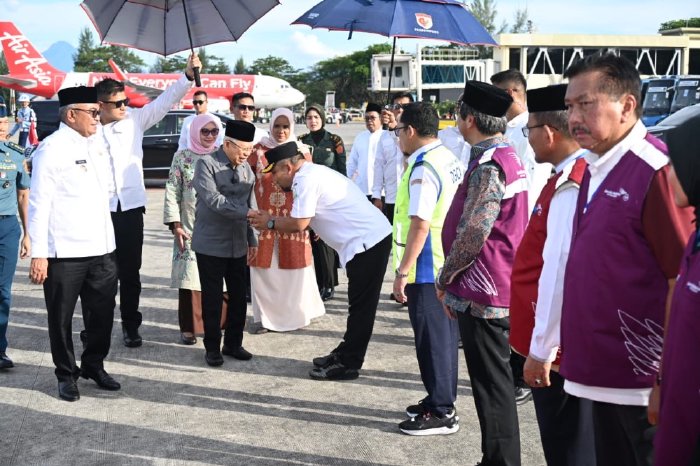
{"x": 424, "y": 186}
{"x": 546, "y": 334}
{"x": 305, "y": 198}
{"x": 379, "y": 167}
{"x": 352, "y": 162}
{"x": 185, "y": 133}
{"x": 154, "y": 111}
{"x": 42, "y": 188}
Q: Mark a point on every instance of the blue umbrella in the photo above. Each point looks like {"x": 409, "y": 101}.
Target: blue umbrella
{"x": 447, "y": 20}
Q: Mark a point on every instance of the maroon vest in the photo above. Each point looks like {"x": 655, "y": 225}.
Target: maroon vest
{"x": 614, "y": 290}
{"x": 680, "y": 388}
{"x": 487, "y": 280}
{"x": 528, "y": 265}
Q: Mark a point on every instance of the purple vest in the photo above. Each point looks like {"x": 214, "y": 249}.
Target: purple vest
{"x": 680, "y": 387}
{"x": 487, "y": 280}
{"x": 614, "y": 290}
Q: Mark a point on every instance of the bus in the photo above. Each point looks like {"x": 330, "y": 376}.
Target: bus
{"x": 657, "y": 102}
{"x": 687, "y": 92}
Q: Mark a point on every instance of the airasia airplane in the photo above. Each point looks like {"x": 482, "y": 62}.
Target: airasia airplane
{"x": 31, "y": 73}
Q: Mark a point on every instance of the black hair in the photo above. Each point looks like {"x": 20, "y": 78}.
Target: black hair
{"x": 241, "y": 95}
{"x": 402, "y": 94}
{"x": 509, "y": 76}
{"x": 487, "y": 125}
{"x": 108, "y": 87}
{"x": 200, "y": 92}
{"x": 423, "y": 117}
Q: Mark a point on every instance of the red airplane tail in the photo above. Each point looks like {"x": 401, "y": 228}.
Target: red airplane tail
{"x": 23, "y": 59}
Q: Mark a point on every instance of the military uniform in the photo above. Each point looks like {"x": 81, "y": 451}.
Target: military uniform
{"x": 330, "y": 151}
{"x": 13, "y": 177}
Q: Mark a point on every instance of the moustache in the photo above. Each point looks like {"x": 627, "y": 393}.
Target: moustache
{"x": 579, "y": 130}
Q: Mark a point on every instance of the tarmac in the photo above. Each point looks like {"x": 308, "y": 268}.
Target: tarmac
{"x": 173, "y": 409}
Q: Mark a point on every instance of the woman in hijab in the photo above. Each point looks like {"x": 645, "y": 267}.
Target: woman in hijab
{"x": 283, "y": 284}
{"x": 179, "y": 216}
{"x": 327, "y": 149}
{"x": 677, "y": 440}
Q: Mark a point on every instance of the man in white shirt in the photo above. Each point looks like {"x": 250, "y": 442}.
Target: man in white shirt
{"x": 73, "y": 239}
{"x": 243, "y": 109}
{"x": 122, "y": 133}
{"x": 360, "y": 164}
{"x": 338, "y": 212}
{"x": 388, "y": 162}
{"x": 513, "y": 82}
{"x": 201, "y": 103}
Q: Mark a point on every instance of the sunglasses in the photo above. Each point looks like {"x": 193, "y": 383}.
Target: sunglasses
{"x": 395, "y": 106}
{"x": 198, "y": 102}
{"x": 117, "y": 103}
{"x": 94, "y": 113}
{"x": 250, "y": 108}
{"x": 207, "y": 131}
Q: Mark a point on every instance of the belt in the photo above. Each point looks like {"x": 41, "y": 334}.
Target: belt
{"x": 7, "y": 216}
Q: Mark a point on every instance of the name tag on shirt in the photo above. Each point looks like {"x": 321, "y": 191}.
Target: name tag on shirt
{"x": 82, "y": 164}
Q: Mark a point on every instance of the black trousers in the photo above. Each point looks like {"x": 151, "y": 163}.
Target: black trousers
{"x": 517, "y": 363}
{"x": 389, "y": 212}
{"x": 128, "y": 233}
{"x": 623, "y": 435}
{"x": 487, "y": 353}
{"x": 213, "y": 271}
{"x": 324, "y": 264}
{"x": 365, "y": 276}
{"x": 94, "y": 280}
{"x": 566, "y": 425}
{"x": 436, "y": 347}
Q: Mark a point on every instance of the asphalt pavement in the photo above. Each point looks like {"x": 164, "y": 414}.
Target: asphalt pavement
{"x": 173, "y": 409}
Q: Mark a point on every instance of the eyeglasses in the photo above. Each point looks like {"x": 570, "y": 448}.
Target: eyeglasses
{"x": 94, "y": 113}
{"x": 397, "y": 130}
{"x": 245, "y": 150}
{"x": 395, "y": 106}
{"x": 207, "y": 131}
{"x": 117, "y": 103}
{"x": 370, "y": 118}
{"x": 198, "y": 102}
{"x": 526, "y": 129}
{"x": 250, "y": 108}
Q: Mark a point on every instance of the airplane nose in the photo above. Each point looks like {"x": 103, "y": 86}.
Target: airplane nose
{"x": 298, "y": 96}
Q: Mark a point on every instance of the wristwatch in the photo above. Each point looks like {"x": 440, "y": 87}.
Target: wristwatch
{"x": 271, "y": 224}
{"x": 399, "y": 274}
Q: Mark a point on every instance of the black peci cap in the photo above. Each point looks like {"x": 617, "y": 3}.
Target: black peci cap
{"x": 240, "y": 130}
{"x": 486, "y": 98}
{"x": 281, "y": 152}
{"x": 372, "y": 107}
{"x": 77, "y": 95}
{"x": 547, "y": 99}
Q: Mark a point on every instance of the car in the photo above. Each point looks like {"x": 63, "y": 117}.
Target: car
{"x": 47, "y": 119}
{"x": 673, "y": 120}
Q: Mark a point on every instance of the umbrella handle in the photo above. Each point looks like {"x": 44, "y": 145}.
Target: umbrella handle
{"x": 197, "y": 81}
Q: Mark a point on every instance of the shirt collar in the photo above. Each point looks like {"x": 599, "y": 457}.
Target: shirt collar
{"x": 606, "y": 162}
{"x": 422, "y": 150}
{"x": 520, "y": 120}
{"x": 569, "y": 159}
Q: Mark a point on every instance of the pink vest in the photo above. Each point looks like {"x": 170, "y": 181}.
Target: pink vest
{"x": 614, "y": 290}
{"x": 487, "y": 280}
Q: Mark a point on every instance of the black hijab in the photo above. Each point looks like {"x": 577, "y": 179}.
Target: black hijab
{"x": 684, "y": 151}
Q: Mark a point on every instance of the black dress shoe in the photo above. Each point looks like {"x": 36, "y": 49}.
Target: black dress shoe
{"x": 334, "y": 370}
{"x": 323, "y": 360}
{"x": 188, "y": 339}
{"x": 522, "y": 395}
{"x": 132, "y": 339}
{"x": 102, "y": 379}
{"x": 5, "y": 362}
{"x": 238, "y": 353}
{"x": 68, "y": 390}
{"x": 214, "y": 358}
{"x": 327, "y": 294}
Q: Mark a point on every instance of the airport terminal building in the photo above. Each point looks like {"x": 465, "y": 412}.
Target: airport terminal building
{"x": 439, "y": 74}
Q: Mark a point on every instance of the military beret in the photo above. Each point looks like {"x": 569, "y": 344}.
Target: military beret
{"x": 240, "y": 130}
{"x": 372, "y": 107}
{"x": 77, "y": 95}
{"x": 486, "y": 98}
{"x": 547, "y": 99}
{"x": 281, "y": 152}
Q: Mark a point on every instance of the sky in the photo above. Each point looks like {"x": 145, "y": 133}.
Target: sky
{"x": 47, "y": 21}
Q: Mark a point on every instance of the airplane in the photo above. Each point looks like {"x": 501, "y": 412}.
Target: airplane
{"x": 31, "y": 73}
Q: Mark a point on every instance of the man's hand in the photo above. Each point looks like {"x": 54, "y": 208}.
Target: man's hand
{"x": 654, "y": 403}
{"x": 258, "y": 219}
{"x": 192, "y": 62}
{"x": 400, "y": 289}
{"x": 378, "y": 203}
{"x": 446, "y": 309}
{"x": 536, "y": 373}
{"x": 25, "y": 249}
{"x": 252, "y": 254}
{"x": 388, "y": 118}
{"x": 181, "y": 236}
{"x": 38, "y": 270}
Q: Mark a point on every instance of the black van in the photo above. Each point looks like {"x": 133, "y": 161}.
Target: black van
{"x": 47, "y": 119}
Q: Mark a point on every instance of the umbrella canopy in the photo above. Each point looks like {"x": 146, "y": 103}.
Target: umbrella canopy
{"x": 163, "y": 26}
{"x": 446, "y": 20}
